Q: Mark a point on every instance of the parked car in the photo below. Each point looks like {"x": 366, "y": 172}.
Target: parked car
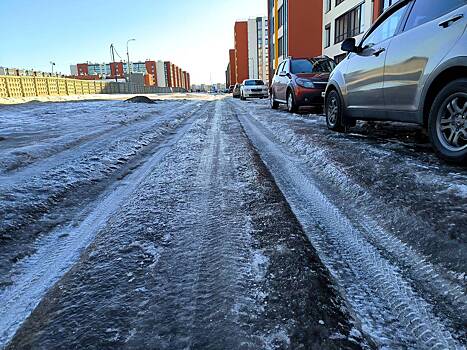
{"x": 231, "y": 88}
{"x": 253, "y": 88}
{"x": 411, "y": 66}
{"x": 236, "y": 91}
{"x": 301, "y": 82}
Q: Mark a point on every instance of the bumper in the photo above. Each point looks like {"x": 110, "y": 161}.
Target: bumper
{"x": 309, "y": 97}
{"x": 256, "y": 94}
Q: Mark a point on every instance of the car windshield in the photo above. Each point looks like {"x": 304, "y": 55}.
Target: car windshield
{"x": 254, "y": 82}
{"x": 312, "y": 65}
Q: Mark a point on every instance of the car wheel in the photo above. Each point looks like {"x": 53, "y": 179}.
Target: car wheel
{"x": 291, "y": 106}
{"x": 274, "y": 103}
{"x": 447, "y": 123}
{"x": 242, "y": 97}
{"x": 334, "y": 111}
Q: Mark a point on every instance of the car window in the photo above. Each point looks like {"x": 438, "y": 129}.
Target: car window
{"x": 284, "y": 67}
{"x": 427, "y": 10}
{"x": 279, "y": 68}
{"x": 254, "y": 82}
{"x": 386, "y": 29}
{"x": 312, "y": 65}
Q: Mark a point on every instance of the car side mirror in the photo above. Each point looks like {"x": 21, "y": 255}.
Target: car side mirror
{"x": 349, "y": 45}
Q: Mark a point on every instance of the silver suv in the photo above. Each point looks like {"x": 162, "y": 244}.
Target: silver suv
{"x": 411, "y": 66}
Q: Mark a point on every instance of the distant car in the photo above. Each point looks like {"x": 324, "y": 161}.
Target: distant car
{"x": 253, "y": 88}
{"x": 301, "y": 82}
{"x": 231, "y": 88}
{"x": 411, "y": 66}
{"x": 236, "y": 91}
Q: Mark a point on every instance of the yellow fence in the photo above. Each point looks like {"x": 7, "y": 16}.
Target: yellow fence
{"x": 26, "y": 86}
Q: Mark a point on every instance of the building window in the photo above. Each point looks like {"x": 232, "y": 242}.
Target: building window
{"x": 350, "y": 24}
{"x": 339, "y": 58}
{"x": 327, "y": 36}
{"x": 327, "y": 6}
{"x": 281, "y": 16}
{"x": 281, "y": 46}
{"x": 339, "y": 2}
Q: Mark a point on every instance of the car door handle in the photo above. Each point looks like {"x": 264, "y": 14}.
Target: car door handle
{"x": 379, "y": 51}
{"x": 451, "y": 20}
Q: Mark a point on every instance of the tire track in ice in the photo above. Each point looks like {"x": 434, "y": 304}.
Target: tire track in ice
{"x": 433, "y": 281}
{"x": 208, "y": 266}
{"x": 87, "y": 143}
{"x": 373, "y": 285}
{"x": 61, "y": 249}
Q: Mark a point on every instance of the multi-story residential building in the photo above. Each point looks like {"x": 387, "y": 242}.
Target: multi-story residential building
{"x": 154, "y": 73}
{"x": 295, "y": 29}
{"x": 160, "y": 74}
{"x": 168, "y": 74}
{"x": 227, "y": 75}
{"x": 241, "y": 51}
{"x": 348, "y": 18}
{"x": 258, "y": 48}
{"x": 232, "y": 67}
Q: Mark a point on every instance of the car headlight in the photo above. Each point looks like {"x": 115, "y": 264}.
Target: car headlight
{"x": 305, "y": 83}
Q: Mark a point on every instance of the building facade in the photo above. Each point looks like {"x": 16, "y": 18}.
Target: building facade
{"x": 295, "y": 29}
{"x": 232, "y": 67}
{"x": 258, "y": 48}
{"x": 241, "y": 51}
{"x": 160, "y": 74}
{"x": 348, "y": 18}
{"x": 153, "y": 73}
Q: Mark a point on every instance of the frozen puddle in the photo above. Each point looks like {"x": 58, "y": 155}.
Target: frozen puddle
{"x": 57, "y": 252}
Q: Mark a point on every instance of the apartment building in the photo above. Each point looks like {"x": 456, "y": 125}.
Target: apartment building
{"x": 258, "y": 48}
{"x": 348, "y": 18}
{"x": 295, "y": 29}
{"x": 160, "y": 74}
{"x": 232, "y": 68}
{"x": 154, "y": 73}
{"x": 241, "y": 51}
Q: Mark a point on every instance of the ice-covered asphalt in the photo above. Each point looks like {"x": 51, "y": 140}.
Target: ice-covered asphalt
{"x": 221, "y": 224}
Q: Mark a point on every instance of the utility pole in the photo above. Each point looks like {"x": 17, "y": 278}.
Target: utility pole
{"x": 128, "y": 59}
{"x": 112, "y": 56}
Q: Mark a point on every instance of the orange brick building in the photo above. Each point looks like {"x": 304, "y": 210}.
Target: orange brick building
{"x": 241, "y": 51}
{"x": 233, "y": 71}
{"x": 295, "y": 29}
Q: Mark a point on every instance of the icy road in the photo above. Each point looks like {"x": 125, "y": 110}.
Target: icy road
{"x": 211, "y": 223}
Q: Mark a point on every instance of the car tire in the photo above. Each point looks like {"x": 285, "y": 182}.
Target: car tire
{"x": 291, "y": 105}
{"x": 242, "y": 97}
{"x": 274, "y": 103}
{"x": 334, "y": 112}
{"x": 447, "y": 122}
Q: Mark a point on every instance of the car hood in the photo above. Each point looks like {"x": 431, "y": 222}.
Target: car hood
{"x": 324, "y": 77}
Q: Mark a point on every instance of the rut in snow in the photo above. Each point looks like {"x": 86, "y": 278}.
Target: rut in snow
{"x": 390, "y": 310}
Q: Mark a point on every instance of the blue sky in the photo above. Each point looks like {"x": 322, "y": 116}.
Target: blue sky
{"x": 194, "y": 34}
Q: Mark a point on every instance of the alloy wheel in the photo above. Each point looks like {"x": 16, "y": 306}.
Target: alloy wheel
{"x": 290, "y": 102}
{"x": 332, "y": 110}
{"x": 451, "y": 123}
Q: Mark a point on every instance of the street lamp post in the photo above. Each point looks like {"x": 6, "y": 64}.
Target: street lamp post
{"x": 52, "y": 64}
{"x": 128, "y": 59}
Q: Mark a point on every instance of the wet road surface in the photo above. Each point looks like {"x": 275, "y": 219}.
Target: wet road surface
{"x": 225, "y": 225}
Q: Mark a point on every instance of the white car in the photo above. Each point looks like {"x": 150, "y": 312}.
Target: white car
{"x": 253, "y": 88}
